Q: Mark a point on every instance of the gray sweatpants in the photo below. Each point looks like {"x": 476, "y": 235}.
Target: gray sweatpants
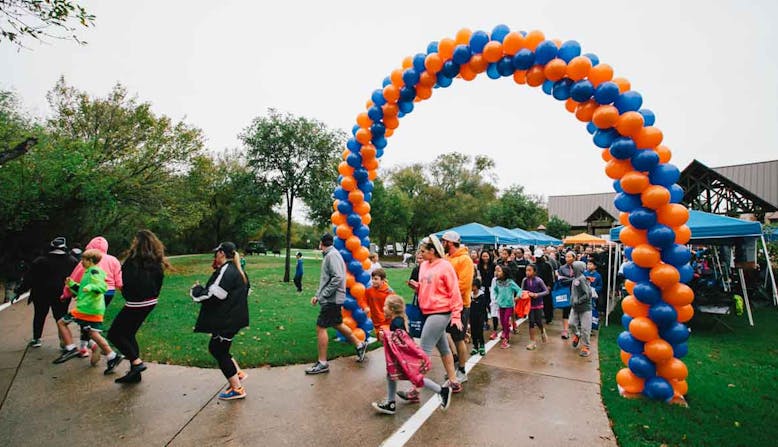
{"x": 581, "y": 324}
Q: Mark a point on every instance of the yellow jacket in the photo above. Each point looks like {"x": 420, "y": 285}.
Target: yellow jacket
{"x": 463, "y": 266}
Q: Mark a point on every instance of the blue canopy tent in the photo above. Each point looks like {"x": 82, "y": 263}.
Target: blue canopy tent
{"x": 475, "y": 233}
{"x": 526, "y": 237}
{"x": 545, "y": 239}
{"x": 713, "y": 229}
{"x": 511, "y": 237}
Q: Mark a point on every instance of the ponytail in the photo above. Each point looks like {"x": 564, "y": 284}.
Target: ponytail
{"x": 236, "y": 261}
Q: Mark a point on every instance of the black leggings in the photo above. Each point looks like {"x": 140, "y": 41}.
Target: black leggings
{"x": 124, "y": 328}
{"x": 477, "y": 318}
{"x": 548, "y": 307}
{"x": 219, "y": 347}
{"x": 298, "y": 282}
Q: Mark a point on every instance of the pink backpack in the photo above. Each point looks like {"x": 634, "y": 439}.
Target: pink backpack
{"x": 405, "y": 360}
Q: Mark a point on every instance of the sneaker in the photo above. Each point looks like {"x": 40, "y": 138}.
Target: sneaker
{"x": 140, "y": 367}
{"x": 584, "y": 352}
{"x": 361, "y": 351}
{"x": 493, "y": 336}
{"x": 455, "y": 387}
{"x": 412, "y": 395}
{"x": 132, "y": 376}
{"x": 94, "y": 357}
{"x": 575, "y": 342}
{"x": 385, "y": 407}
{"x": 482, "y": 351}
{"x": 35, "y": 343}
{"x": 544, "y": 336}
{"x": 67, "y": 355}
{"x": 474, "y": 351}
{"x": 114, "y": 362}
{"x": 445, "y": 397}
{"x": 318, "y": 368}
{"x": 242, "y": 375}
{"x": 233, "y": 394}
{"x": 532, "y": 346}
{"x": 564, "y": 335}
{"x": 461, "y": 376}
{"x": 504, "y": 344}
{"x": 84, "y": 353}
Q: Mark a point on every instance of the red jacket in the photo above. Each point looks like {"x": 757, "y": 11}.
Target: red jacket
{"x": 405, "y": 360}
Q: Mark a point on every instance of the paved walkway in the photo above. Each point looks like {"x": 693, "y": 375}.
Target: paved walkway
{"x": 549, "y": 397}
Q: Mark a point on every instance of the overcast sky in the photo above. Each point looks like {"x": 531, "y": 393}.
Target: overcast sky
{"x": 706, "y": 68}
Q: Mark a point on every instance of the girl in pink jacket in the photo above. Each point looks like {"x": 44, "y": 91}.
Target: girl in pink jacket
{"x": 109, "y": 264}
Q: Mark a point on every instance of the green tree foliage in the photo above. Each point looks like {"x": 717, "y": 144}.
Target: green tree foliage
{"x": 291, "y": 153}
{"x": 42, "y": 20}
{"x": 558, "y": 228}
{"x": 391, "y": 213}
{"x": 515, "y": 209}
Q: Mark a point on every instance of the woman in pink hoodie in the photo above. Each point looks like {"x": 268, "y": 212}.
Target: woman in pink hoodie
{"x": 109, "y": 264}
{"x": 440, "y": 302}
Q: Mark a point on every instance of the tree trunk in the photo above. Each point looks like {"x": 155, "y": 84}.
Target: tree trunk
{"x": 289, "y": 204}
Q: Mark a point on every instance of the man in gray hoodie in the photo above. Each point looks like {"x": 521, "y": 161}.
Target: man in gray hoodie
{"x": 330, "y": 296}
{"x": 581, "y": 312}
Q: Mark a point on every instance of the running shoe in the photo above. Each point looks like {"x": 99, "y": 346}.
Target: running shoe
{"x": 385, "y": 407}
{"x": 575, "y": 342}
{"x": 445, "y": 397}
{"x": 504, "y": 344}
{"x": 564, "y": 335}
{"x": 455, "y": 387}
{"x": 67, "y": 355}
{"x": 532, "y": 346}
{"x": 318, "y": 368}
{"x": 482, "y": 351}
{"x": 461, "y": 376}
{"x": 361, "y": 351}
{"x": 113, "y": 363}
{"x": 474, "y": 351}
{"x": 35, "y": 343}
{"x": 94, "y": 357}
{"x": 412, "y": 395}
{"x": 233, "y": 394}
{"x": 584, "y": 352}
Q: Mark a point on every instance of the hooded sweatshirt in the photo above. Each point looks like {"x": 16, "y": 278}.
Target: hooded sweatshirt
{"x": 109, "y": 264}
{"x": 375, "y": 301}
{"x": 90, "y": 302}
{"x": 580, "y": 291}
{"x": 439, "y": 290}
{"x": 463, "y": 266}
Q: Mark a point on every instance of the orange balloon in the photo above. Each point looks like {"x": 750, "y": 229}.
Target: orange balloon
{"x": 348, "y": 183}
{"x": 520, "y": 77}
{"x": 629, "y": 286}
{"x": 658, "y": 350}
{"x": 433, "y": 62}
{"x": 492, "y": 51}
{"x": 571, "y": 105}
{"x": 672, "y": 215}
{"x": 680, "y": 387}
{"x": 633, "y": 237}
{"x": 685, "y": 313}
{"x": 391, "y": 122}
{"x": 629, "y": 382}
{"x": 555, "y": 69}
{"x": 623, "y": 84}
{"x": 370, "y": 163}
{"x": 624, "y": 218}
{"x": 616, "y": 169}
{"x": 682, "y": 234}
{"x": 363, "y": 120}
{"x": 535, "y": 76}
{"x": 345, "y": 169}
{"x": 407, "y": 62}
{"x": 372, "y": 174}
{"x": 533, "y": 39}
{"x": 360, "y": 334}
{"x": 343, "y": 231}
{"x": 338, "y": 218}
{"x": 579, "y": 67}
{"x": 361, "y": 254}
{"x": 655, "y": 197}
{"x": 648, "y": 137}
{"x": 391, "y": 94}
{"x": 353, "y": 243}
{"x": 463, "y": 36}
{"x": 368, "y": 103}
{"x": 679, "y": 295}
{"x": 664, "y": 276}
{"x": 348, "y": 321}
{"x": 350, "y": 281}
{"x": 601, "y": 73}
{"x": 643, "y": 329}
{"x": 335, "y": 205}
{"x": 633, "y": 307}
{"x": 423, "y": 92}
{"x": 606, "y": 155}
{"x": 664, "y": 153}
{"x": 646, "y": 256}
{"x": 629, "y": 123}
{"x": 446, "y": 48}
{"x": 672, "y": 369}
{"x": 366, "y": 264}
{"x": 368, "y": 152}
{"x": 634, "y": 182}
{"x": 427, "y": 79}
{"x": 605, "y": 116}
{"x": 366, "y": 219}
{"x": 390, "y": 111}
{"x": 557, "y": 42}
{"x": 397, "y": 77}
{"x": 357, "y": 291}
{"x": 625, "y": 356}
{"x": 512, "y": 43}
{"x": 585, "y": 111}
{"x": 363, "y": 136}
{"x": 478, "y": 64}
{"x": 467, "y": 73}
{"x": 362, "y": 208}
{"x": 344, "y": 155}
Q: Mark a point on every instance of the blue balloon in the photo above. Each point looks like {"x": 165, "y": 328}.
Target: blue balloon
{"x": 478, "y": 41}
{"x": 410, "y": 77}
{"x": 354, "y": 129}
{"x": 366, "y": 186}
{"x": 635, "y": 273}
{"x": 606, "y": 93}
{"x": 676, "y": 255}
{"x": 378, "y": 130}
{"x": 353, "y": 145}
{"x": 347, "y": 257}
{"x": 676, "y": 193}
{"x": 628, "y": 253}
{"x": 662, "y": 314}
{"x": 568, "y": 50}
{"x": 645, "y": 160}
{"x": 407, "y": 93}
{"x": 355, "y": 267}
{"x": 432, "y": 47}
{"x": 443, "y": 80}
{"x": 505, "y": 66}
{"x": 400, "y": 114}
{"x": 450, "y": 69}
{"x": 524, "y": 59}
{"x": 545, "y": 52}
{"x": 658, "y": 388}
{"x": 687, "y": 273}
{"x": 344, "y": 207}
{"x": 547, "y": 87}
{"x": 625, "y": 320}
{"x": 499, "y": 32}
{"x": 627, "y": 202}
{"x": 604, "y": 137}
{"x": 340, "y": 193}
{"x": 339, "y": 243}
{"x": 648, "y": 117}
{"x": 359, "y": 316}
{"x": 629, "y": 101}
{"x": 360, "y": 230}
{"x": 582, "y": 90}
{"x": 350, "y": 304}
{"x": 461, "y": 54}
{"x": 340, "y": 336}
{"x": 354, "y": 160}
{"x": 680, "y": 350}
{"x": 360, "y": 175}
{"x": 405, "y": 106}
{"x": 641, "y": 366}
{"x": 378, "y": 97}
{"x": 591, "y": 128}
{"x": 365, "y": 242}
{"x": 661, "y": 236}
{"x": 375, "y": 113}
{"x": 617, "y": 186}
{"x": 630, "y": 344}
{"x": 369, "y": 195}
{"x": 675, "y": 333}
{"x": 593, "y": 57}
{"x": 664, "y": 175}
{"x": 561, "y": 89}
{"x": 642, "y": 218}
{"x": 623, "y": 148}
{"x": 647, "y": 293}
{"x": 418, "y": 62}
{"x": 379, "y": 142}
{"x": 492, "y": 72}
{"x": 363, "y": 277}
{"x": 354, "y": 220}
{"x": 387, "y": 80}
{"x": 367, "y": 326}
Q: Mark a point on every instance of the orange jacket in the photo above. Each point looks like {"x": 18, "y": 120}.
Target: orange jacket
{"x": 463, "y": 266}
{"x": 375, "y": 301}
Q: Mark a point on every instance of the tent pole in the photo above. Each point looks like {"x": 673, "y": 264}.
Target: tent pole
{"x": 745, "y": 296}
{"x": 770, "y": 271}
{"x": 608, "y": 293}
{"x": 724, "y": 283}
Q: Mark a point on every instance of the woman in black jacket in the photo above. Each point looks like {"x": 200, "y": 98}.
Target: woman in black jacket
{"x": 486, "y": 272}
{"x": 224, "y": 311}
{"x": 142, "y": 272}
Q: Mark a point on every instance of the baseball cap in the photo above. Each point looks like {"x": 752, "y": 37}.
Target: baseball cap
{"x": 438, "y": 246}
{"x": 227, "y": 247}
{"x": 59, "y": 243}
{"x": 451, "y": 236}
{"x": 538, "y": 252}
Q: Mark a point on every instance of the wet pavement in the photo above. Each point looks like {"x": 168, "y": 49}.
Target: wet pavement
{"x": 548, "y": 397}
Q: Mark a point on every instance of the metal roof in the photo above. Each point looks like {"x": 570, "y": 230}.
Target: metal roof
{"x": 761, "y": 178}
{"x": 575, "y": 209}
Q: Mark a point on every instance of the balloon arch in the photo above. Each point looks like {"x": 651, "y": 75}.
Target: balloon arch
{"x": 648, "y": 197}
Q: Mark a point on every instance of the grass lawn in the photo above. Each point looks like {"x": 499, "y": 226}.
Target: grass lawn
{"x": 733, "y": 388}
{"x": 282, "y": 323}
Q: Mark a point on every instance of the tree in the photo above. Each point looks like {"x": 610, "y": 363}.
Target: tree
{"x": 291, "y": 153}
{"x": 391, "y": 213}
{"x": 42, "y": 19}
{"x": 319, "y": 199}
{"x": 515, "y": 209}
{"x": 558, "y": 228}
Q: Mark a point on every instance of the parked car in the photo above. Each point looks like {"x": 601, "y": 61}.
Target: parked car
{"x": 255, "y": 247}
{"x": 389, "y": 249}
